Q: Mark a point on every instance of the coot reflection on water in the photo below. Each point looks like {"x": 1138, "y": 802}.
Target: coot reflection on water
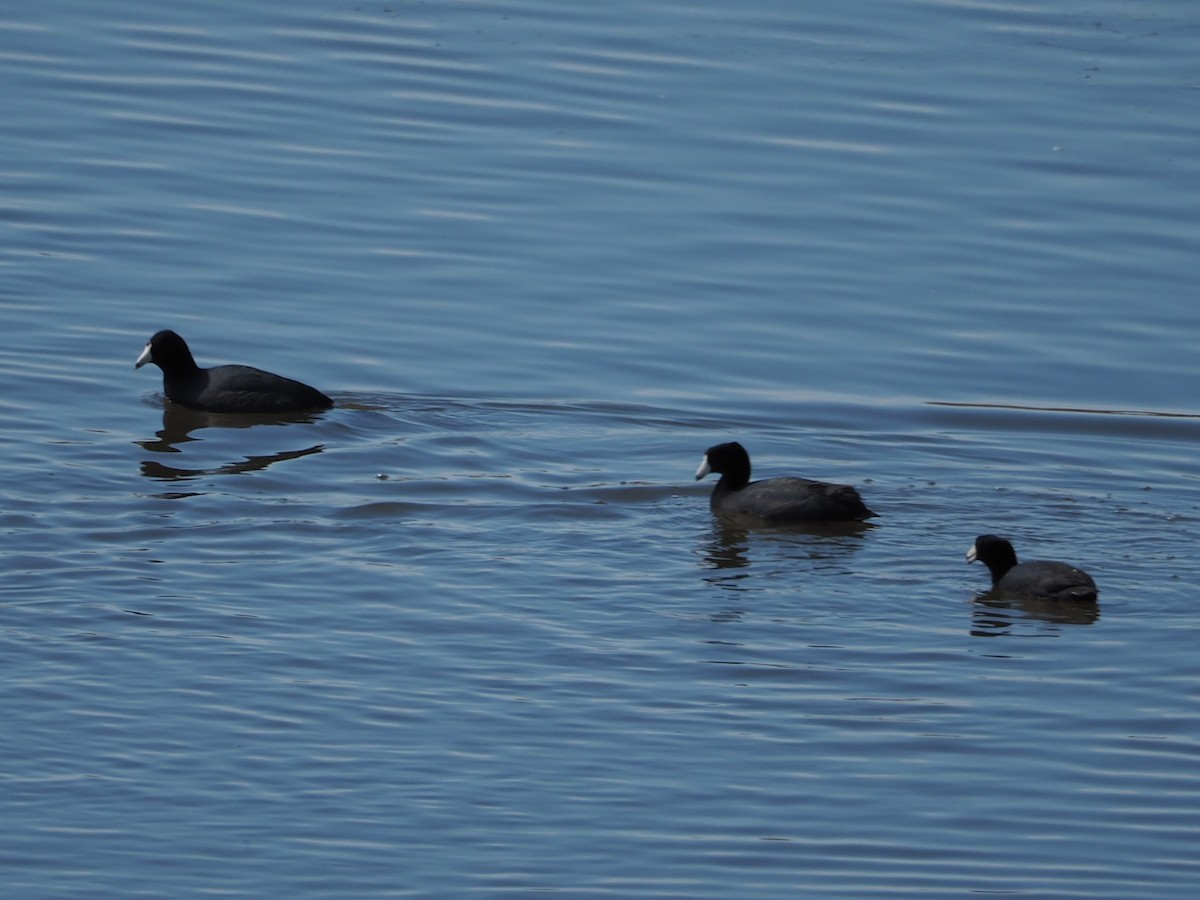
{"x": 181, "y": 423}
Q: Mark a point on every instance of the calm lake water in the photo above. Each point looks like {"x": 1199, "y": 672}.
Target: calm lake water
{"x": 474, "y": 631}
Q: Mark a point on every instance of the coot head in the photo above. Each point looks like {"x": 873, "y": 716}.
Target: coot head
{"x": 729, "y": 460}
{"x": 168, "y": 351}
{"x": 994, "y": 552}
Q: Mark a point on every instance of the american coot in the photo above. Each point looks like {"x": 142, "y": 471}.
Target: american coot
{"x": 776, "y": 500}
{"x": 224, "y": 389}
{"x": 1039, "y": 578}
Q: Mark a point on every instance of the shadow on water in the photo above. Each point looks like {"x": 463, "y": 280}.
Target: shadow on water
{"x": 1073, "y": 410}
{"x": 996, "y": 613}
{"x": 729, "y": 543}
{"x": 1067, "y": 419}
{"x": 728, "y": 551}
{"x": 179, "y": 424}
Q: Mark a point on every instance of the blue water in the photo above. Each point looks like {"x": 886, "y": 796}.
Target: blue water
{"x": 474, "y": 631}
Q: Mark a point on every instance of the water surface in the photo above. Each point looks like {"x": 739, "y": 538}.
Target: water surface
{"x": 474, "y": 631}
